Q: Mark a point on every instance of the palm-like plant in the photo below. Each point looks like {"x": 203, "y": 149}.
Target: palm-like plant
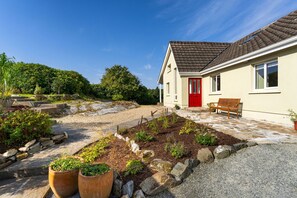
{"x": 5, "y": 73}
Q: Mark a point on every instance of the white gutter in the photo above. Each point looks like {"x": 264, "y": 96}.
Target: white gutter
{"x": 186, "y": 74}
{"x": 261, "y": 52}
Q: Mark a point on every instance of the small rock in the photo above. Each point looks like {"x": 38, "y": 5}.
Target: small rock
{"x": 128, "y": 188}
{"x": 250, "y": 144}
{"x": 161, "y": 165}
{"x": 125, "y": 196}
{"x": 12, "y": 158}
{"x": 2, "y": 159}
{"x": 48, "y": 143}
{"x": 24, "y": 149}
{"x": 157, "y": 183}
{"x": 205, "y": 155}
{"x": 147, "y": 155}
{"x": 134, "y": 147}
{"x": 116, "y": 175}
{"x": 30, "y": 143}
{"x": 127, "y": 139}
{"x": 191, "y": 163}
{"x": 4, "y": 165}
{"x": 58, "y": 138}
{"x": 117, "y": 188}
{"x": 35, "y": 148}
{"x": 9, "y": 153}
{"x": 66, "y": 135}
{"x": 21, "y": 156}
{"x": 138, "y": 194}
{"x": 239, "y": 146}
{"x": 181, "y": 171}
{"x": 222, "y": 151}
{"x": 43, "y": 139}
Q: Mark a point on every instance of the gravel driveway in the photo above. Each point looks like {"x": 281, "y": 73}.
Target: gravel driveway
{"x": 260, "y": 171}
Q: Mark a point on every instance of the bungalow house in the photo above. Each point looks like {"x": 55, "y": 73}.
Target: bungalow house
{"x": 260, "y": 69}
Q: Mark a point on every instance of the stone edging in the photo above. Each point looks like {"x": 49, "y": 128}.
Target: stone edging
{"x": 169, "y": 176}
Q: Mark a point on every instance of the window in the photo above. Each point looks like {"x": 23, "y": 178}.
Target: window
{"x": 168, "y": 88}
{"x": 175, "y": 81}
{"x": 216, "y": 83}
{"x": 266, "y": 75}
{"x": 169, "y": 67}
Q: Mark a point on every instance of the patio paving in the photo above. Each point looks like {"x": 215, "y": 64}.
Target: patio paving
{"x": 261, "y": 132}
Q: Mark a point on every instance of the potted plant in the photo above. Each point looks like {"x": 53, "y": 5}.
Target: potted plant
{"x": 63, "y": 176}
{"x": 293, "y": 117}
{"x": 95, "y": 180}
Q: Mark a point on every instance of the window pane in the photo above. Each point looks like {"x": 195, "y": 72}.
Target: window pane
{"x": 190, "y": 86}
{"x": 259, "y": 77}
{"x": 218, "y": 83}
{"x": 198, "y": 86}
{"x": 272, "y": 74}
{"x": 213, "y": 84}
{"x": 194, "y": 86}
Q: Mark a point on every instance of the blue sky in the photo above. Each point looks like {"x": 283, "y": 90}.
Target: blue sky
{"x": 88, "y": 36}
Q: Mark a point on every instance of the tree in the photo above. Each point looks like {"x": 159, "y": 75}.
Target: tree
{"x": 120, "y": 83}
{"x": 5, "y": 73}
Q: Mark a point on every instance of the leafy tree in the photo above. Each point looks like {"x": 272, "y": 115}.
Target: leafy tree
{"x": 120, "y": 83}
{"x": 5, "y": 73}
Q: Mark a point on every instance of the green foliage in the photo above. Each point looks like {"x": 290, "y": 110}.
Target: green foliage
{"x": 99, "y": 91}
{"x": 177, "y": 107}
{"x": 206, "y": 139}
{"x": 154, "y": 126}
{"x": 89, "y": 154}
{"x": 188, "y": 127}
{"x": 174, "y": 118}
{"x": 66, "y": 164}
{"x": 165, "y": 124}
{"x": 38, "y": 90}
{"x": 293, "y": 115}
{"x": 143, "y": 136}
{"x": 94, "y": 169}
{"x": 117, "y": 97}
{"x": 20, "y": 127}
{"x": 177, "y": 149}
{"x": 5, "y": 73}
{"x": 133, "y": 167}
{"x": 123, "y": 131}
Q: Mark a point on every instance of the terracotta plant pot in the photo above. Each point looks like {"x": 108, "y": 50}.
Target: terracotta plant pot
{"x": 63, "y": 183}
{"x": 98, "y": 186}
{"x": 295, "y": 125}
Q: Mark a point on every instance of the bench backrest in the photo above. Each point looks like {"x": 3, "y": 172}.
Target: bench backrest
{"x": 229, "y": 102}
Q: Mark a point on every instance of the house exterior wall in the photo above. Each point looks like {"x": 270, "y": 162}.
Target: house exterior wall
{"x": 171, "y": 99}
{"x": 238, "y": 82}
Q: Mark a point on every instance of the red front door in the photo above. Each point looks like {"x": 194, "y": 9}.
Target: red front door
{"x": 195, "y": 92}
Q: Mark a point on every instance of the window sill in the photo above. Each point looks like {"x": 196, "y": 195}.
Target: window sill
{"x": 265, "y": 92}
{"x": 215, "y": 93}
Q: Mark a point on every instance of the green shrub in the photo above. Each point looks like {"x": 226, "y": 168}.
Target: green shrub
{"x": 38, "y": 90}
{"x": 177, "y": 107}
{"x": 143, "y": 136}
{"x": 89, "y": 154}
{"x": 188, "y": 127}
{"x": 133, "y": 167}
{"x": 20, "y": 127}
{"x": 123, "y": 131}
{"x": 206, "y": 139}
{"x": 176, "y": 150}
{"x": 94, "y": 169}
{"x": 174, "y": 118}
{"x": 66, "y": 164}
{"x": 153, "y": 125}
{"x": 117, "y": 97}
{"x": 165, "y": 124}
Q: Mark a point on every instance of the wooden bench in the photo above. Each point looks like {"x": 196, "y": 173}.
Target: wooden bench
{"x": 227, "y": 104}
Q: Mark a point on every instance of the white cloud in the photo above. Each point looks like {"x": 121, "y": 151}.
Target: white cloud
{"x": 148, "y": 66}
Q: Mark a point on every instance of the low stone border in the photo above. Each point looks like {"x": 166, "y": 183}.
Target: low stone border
{"x": 168, "y": 176}
{"x": 34, "y": 146}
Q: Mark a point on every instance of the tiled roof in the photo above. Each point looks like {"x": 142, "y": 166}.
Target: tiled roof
{"x": 277, "y": 31}
{"x": 194, "y": 56}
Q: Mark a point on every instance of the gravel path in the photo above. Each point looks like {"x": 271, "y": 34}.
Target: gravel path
{"x": 260, "y": 171}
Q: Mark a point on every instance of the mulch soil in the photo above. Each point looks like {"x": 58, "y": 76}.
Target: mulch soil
{"x": 118, "y": 152}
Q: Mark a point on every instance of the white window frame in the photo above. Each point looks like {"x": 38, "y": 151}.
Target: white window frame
{"x": 265, "y": 77}
{"x": 175, "y": 82}
{"x": 211, "y": 83}
{"x": 168, "y": 88}
{"x": 169, "y": 68}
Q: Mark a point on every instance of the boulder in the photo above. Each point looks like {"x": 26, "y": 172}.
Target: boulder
{"x": 58, "y": 138}
{"x": 250, "y": 143}
{"x": 28, "y": 144}
{"x": 48, "y": 143}
{"x": 125, "y": 196}
{"x": 205, "y": 155}
{"x": 34, "y": 148}
{"x": 138, "y": 194}
{"x": 157, "y": 183}
{"x": 117, "y": 188}
{"x": 66, "y": 135}
{"x": 4, "y": 165}
{"x": 24, "y": 149}
{"x": 147, "y": 155}
{"x": 161, "y": 165}
{"x": 2, "y": 159}
{"x": 191, "y": 163}
{"x": 181, "y": 171}
{"x": 9, "y": 153}
{"x": 222, "y": 151}
{"x": 239, "y": 146}
{"x": 21, "y": 156}
{"x": 128, "y": 188}
{"x": 43, "y": 139}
